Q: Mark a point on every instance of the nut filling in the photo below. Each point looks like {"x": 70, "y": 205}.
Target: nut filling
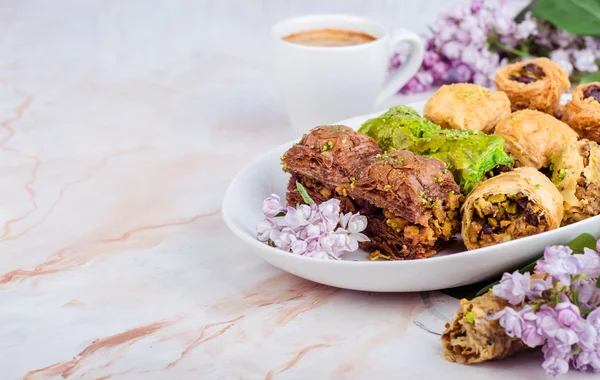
{"x": 592, "y": 91}
{"x": 394, "y": 237}
{"x": 528, "y": 74}
{"x": 501, "y": 217}
{"x": 587, "y": 193}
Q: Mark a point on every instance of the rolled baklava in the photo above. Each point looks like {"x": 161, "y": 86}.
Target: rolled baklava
{"x": 510, "y": 206}
{"x": 474, "y": 336}
{"x": 469, "y": 155}
{"x": 533, "y": 138}
{"x": 466, "y": 106}
{"x": 582, "y": 112}
{"x": 535, "y": 84}
{"x": 577, "y": 176}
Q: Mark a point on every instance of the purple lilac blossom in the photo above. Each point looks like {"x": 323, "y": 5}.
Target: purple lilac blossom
{"x": 464, "y": 36}
{"x": 559, "y": 263}
{"x": 319, "y": 231}
{"x": 513, "y": 287}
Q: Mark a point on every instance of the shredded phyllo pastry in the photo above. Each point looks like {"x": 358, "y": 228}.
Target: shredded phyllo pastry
{"x": 536, "y": 84}
{"x": 510, "y": 206}
{"x": 582, "y": 112}
{"x": 467, "y": 106}
{"x": 469, "y": 155}
{"x": 577, "y": 175}
{"x": 411, "y": 203}
{"x": 533, "y": 138}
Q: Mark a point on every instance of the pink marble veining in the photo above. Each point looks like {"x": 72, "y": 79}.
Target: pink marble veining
{"x": 121, "y": 125}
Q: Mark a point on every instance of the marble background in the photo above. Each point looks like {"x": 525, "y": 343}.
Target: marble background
{"x": 121, "y": 125}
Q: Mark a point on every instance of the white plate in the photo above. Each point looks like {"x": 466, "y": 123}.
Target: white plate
{"x": 450, "y": 268}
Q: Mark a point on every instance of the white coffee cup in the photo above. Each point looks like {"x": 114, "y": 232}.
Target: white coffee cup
{"x": 321, "y": 85}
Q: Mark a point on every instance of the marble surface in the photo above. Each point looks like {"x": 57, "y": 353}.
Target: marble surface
{"x": 121, "y": 125}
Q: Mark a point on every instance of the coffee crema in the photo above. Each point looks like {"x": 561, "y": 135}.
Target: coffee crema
{"x": 329, "y": 37}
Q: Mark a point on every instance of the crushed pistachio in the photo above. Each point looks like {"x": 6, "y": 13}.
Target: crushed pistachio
{"x": 376, "y": 255}
{"x": 537, "y": 185}
{"x": 562, "y": 173}
{"x": 387, "y": 187}
{"x": 352, "y": 181}
{"x": 327, "y": 146}
{"x": 470, "y": 317}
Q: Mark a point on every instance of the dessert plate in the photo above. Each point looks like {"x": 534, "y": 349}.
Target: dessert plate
{"x": 452, "y": 267}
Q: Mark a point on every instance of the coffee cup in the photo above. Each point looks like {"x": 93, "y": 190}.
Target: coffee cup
{"x": 331, "y": 67}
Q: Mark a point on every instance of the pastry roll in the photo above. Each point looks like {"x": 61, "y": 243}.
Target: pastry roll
{"x": 474, "y": 336}
{"x": 536, "y": 84}
{"x": 582, "y": 112}
{"x": 532, "y": 138}
{"x": 469, "y": 155}
{"x": 466, "y": 106}
{"x": 577, "y": 176}
{"x": 510, "y": 206}
{"x": 412, "y": 204}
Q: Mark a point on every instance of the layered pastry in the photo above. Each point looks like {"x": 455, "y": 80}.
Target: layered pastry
{"x": 411, "y": 203}
{"x": 469, "y": 155}
{"x": 474, "y": 336}
{"x": 582, "y": 112}
{"x": 577, "y": 176}
{"x": 536, "y": 84}
{"x": 533, "y": 138}
{"x": 467, "y": 106}
{"x": 512, "y": 205}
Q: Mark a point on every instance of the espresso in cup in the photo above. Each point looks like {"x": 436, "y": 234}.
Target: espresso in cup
{"x": 329, "y": 37}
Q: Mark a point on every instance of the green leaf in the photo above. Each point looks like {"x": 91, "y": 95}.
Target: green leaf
{"x": 589, "y": 78}
{"x": 598, "y": 283}
{"x": 579, "y": 17}
{"x": 521, "y": 16}
{"x": 302, "y": 190}
{"x": 582, "y": 241}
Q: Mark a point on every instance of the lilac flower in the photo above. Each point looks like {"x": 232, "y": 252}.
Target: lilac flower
{"x": 530, "y": 336}
{"x": 590, "y": 260}
{"x": 588, "y": 293}
{"x": 555, "y": 362}
{"x": 563, "y": 59}
{"x": 559, "y": 263}
{"x": 330, "y": 210}
{"x": 462, "y": 73}
{"x": 538, "y": 286}
{"x": 283, "y": 239}
{"x": 272, "y": 206}
{"x": 299, "y": 247}
{"x": 548, "y": 325}
{"x": 594, "y": 320}
{"x": 513, "y": 287}
{"x": 588, "y": 360}
{"x": 512, "y": 322}
{"x": 586, "y": 334}
{"x": 264, "y": 229}
{"x": 585, "y": 60}
{"x": 567, "y": 313}
{"x": 598, "y": 246}
{"x": 299, "y": 217}
{"x": 452, "y": 50}
{"x": 527, "y": 27}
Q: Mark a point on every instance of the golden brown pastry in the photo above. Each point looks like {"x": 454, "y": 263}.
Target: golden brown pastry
{"x": 577, "y": 176}
{"x": 532, "y": 138}
{"x": 510, "y": 206}
{"x": 474, "y": 336}
{"x": 582, "y": 112}
{"x": 466, "y": 106}
{"x": 536, "y": 84}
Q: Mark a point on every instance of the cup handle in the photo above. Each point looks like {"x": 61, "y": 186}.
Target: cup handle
{"x": 409, "y": 68}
